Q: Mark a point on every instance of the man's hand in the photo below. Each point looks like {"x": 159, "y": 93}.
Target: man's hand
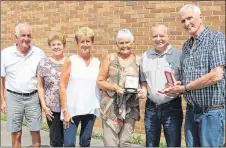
{"x": 3, "y": 102}
{"x": 176, "y": 83}
{"x": 171, "y": 91}
{"x": 177, "y": 89}
{"x": 171, "y": 95}
{"x": 142, "y": 93}
{"x": 3, "y": 107}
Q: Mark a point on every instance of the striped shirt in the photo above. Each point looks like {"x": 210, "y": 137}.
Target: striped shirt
{"x": 207, "y": 53}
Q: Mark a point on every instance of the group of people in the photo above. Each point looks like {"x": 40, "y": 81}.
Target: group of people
{"x": 80, "y": 88}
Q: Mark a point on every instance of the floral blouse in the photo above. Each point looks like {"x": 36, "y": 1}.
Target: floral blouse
{"x": 50, "y": 72}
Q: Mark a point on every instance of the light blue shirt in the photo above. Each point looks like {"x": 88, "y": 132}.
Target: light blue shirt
{"x": 152, "y": 69}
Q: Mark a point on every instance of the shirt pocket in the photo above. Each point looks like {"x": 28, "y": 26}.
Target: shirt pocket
{"x": 174, "y": 68}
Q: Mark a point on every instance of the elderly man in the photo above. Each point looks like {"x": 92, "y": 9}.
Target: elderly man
{"x": 18, "y": 65}
{"x": 161, "y": 109}
{"x": 203, "y": 83}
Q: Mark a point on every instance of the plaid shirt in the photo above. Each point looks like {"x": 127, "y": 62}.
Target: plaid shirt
{"x": 207, "y": 53}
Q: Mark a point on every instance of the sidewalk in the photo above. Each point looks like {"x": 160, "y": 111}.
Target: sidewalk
{"x": 26, "y": 138}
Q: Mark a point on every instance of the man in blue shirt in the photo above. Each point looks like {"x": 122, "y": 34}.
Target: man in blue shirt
{"x": 203, "y": 82}
{"x": 161, "y": 110}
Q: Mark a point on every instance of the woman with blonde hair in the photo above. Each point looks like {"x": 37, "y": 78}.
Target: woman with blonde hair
{"x": 49, "y": 70}
{"x": 79, "y": 94}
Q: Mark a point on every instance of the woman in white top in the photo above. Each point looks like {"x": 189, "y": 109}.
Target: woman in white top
{"x": 79, "y": 94}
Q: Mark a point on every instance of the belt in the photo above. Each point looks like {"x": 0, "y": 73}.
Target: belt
{"x": 204, "y": 109}
{"x": 23, "y": 94}
{"x": 175, "y": 100}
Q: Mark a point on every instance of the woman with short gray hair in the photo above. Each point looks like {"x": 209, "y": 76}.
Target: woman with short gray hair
{"x": 118, "y": 78}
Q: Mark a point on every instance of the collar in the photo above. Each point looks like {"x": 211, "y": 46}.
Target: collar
{"x": 167, "y": 51}
{"x": 18, "y": 53}
{"x": 200, "y": 37}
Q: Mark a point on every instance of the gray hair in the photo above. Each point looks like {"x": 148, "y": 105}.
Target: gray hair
{"x": 158, "y": 24}
{"x": 195, "y": 8}
{"x": 19, "y": 26}
{"x": 124, "y": 33}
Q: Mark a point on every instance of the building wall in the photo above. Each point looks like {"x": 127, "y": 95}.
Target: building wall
{"x": 106, "y": 18}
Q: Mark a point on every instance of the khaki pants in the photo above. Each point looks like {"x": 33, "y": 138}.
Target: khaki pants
{"x": 123, "y": 138}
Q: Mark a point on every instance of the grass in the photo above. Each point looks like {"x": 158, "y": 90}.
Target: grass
{"x": 138, "y": 139}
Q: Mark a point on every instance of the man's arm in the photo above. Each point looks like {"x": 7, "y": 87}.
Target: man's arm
{"x": 142, "y": 92}
{"x": 3, "y": 102}
{"x": 211, "y": 78}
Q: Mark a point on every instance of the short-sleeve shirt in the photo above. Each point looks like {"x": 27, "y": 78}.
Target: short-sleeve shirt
{"x": 21, "y": 71}
{"x": 152, "y": 69}
{"x": 50, "y": 72}
{"x": 199, "y": 59}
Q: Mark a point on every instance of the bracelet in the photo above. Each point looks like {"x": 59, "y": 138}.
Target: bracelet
{"x": 185, "y": 88}
{"x": 65, "y": 109}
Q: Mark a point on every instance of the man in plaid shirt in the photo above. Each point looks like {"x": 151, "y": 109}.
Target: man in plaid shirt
{"x": 203, "y": 82}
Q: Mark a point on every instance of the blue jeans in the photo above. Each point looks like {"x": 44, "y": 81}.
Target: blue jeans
{"x": 169, "y": 115}
{"x": 87, "y": 122}
{"x": 204, "y": 129}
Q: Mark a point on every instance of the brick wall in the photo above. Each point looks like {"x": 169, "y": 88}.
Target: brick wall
{"x": 106, "y": 18}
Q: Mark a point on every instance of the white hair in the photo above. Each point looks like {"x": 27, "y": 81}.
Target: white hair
{"x": 19, "y": 26}
{"x": 195, "y": 8}
{"x": 158, "y": 24}
{"x": 124, "y": 33}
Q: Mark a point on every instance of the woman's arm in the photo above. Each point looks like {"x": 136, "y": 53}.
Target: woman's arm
{"x": 102, "y": 82}
{"x": 64, "y": 78}
{"x": 42, "y": 97}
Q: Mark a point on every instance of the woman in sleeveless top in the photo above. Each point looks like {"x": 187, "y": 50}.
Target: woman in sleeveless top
{"x": 49, "y": 70}
{"x": 119, "y": 105}
{"x": 79, "y": 94}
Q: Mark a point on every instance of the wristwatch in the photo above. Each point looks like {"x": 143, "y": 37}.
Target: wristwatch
{"x": 185, "y": 88}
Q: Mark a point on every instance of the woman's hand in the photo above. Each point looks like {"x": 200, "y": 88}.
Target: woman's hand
{"x": 67, "y": 119}
{"x": 49, "y": 114}
{"x": 142, "y": 93}
{"x": 119, "y": 90}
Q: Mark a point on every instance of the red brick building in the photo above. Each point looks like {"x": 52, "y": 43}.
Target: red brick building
{"x": 106, "y": 18}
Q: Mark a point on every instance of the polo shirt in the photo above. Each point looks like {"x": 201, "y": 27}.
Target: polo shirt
{"x": 19, "y": 70}
{"x": 152, "y": 69}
